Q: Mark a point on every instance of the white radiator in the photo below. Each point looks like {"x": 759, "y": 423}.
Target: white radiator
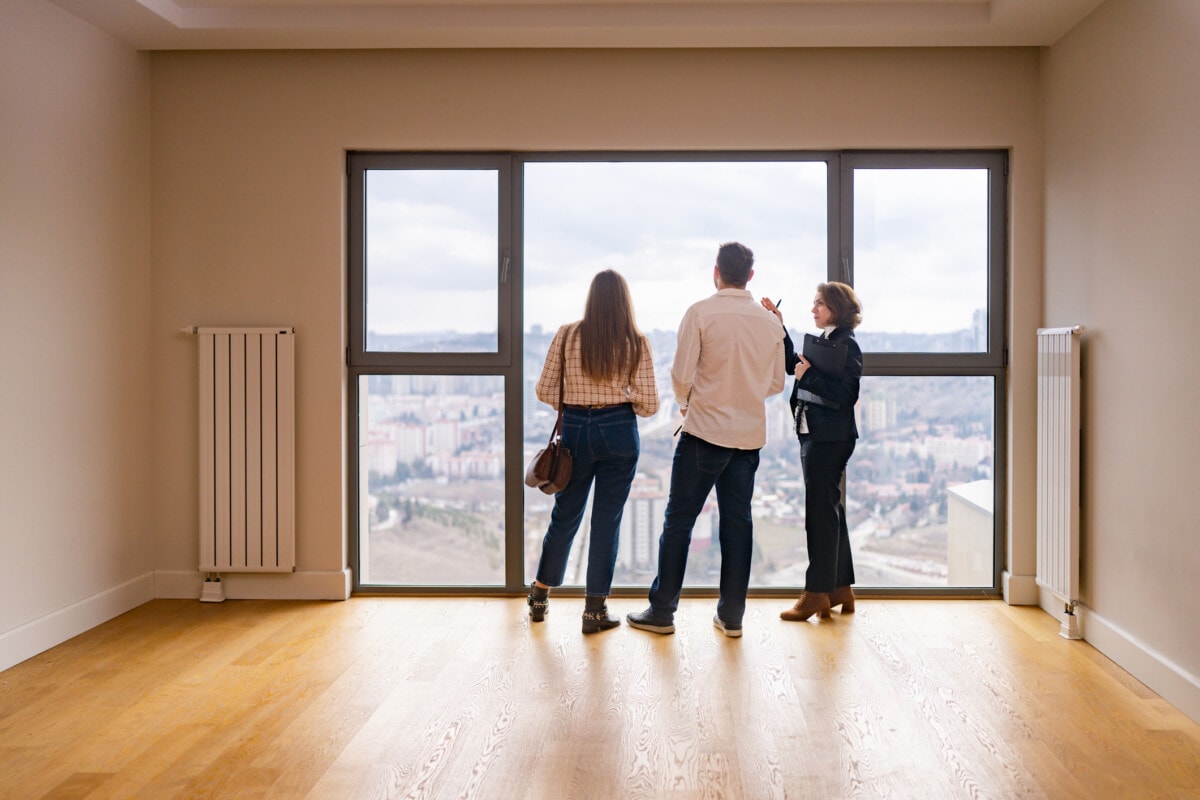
{"x": 1058, "y": 467}
{"x": 247, "y": 450}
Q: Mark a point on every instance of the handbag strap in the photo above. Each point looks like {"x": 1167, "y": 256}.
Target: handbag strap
{"x": 562, "y": 388}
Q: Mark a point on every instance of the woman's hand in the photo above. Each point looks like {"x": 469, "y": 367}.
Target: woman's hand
{"x": 769, "y": 305}
{"x": 801, "y": 367}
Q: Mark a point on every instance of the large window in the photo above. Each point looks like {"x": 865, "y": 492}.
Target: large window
{"x": 431, "y": 359}
{"x": 923, "y": 236}
{"x": 659, "y": 224}
{"x": 462, "y": 268}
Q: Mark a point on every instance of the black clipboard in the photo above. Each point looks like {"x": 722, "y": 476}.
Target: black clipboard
{"x": 828, "y": 357}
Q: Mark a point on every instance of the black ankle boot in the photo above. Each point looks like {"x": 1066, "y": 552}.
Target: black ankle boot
{"x": 539, "y": 602}
{"x": 595, "y": 615}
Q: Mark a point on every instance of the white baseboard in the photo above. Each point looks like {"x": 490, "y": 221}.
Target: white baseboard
{"x": 1019, "y": 590}
{"x": 307, "y": 585}
{"x": 1165, "y": 678}
{"x": 39, "y": 635}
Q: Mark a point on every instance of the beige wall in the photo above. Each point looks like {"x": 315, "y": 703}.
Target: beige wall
{"x": 249, "y": 199}
{"x": 75, "y": 539}
{"x": 1122, "y": 110}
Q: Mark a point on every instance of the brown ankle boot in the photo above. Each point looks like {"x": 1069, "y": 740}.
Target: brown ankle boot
{"x": 842, "y": 596}
{"x": 809, "y": 603}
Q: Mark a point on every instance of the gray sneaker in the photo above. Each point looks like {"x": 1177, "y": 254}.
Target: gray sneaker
{"x": 648, "y": 622}
{"x": 730, "y": 629}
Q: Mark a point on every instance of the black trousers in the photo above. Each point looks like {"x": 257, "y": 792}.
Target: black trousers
{"x": 830, "y": 564}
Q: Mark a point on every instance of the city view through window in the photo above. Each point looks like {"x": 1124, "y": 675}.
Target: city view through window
{"x": 919, "y": 487}
{"x": 435, "y": 456}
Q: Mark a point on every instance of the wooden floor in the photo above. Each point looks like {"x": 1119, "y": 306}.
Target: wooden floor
{"x": 461, "y": 698}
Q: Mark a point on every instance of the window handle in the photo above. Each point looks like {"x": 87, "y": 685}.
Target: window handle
{"x": 504, "y": 269}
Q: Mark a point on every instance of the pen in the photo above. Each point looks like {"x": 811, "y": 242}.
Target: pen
{"x": 779, "y": 302}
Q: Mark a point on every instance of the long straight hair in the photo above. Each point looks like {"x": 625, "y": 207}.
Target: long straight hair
{"x": 610, "y": 343}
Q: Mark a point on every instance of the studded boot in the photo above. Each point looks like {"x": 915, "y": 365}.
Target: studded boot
{"x": 595, "y": 615}
{"x": 539, "y": 602}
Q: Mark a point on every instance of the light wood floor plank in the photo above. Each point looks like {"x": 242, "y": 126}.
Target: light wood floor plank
{"x": 466, "y": 698}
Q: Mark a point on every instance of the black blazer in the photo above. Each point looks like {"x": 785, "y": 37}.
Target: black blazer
{"x": 826, "y": 424}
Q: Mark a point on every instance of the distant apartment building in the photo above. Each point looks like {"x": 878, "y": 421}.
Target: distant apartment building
{"x": 410, "y": 442}
{"x": 381, "y": 450}
{"x": 642, "y": 524}
{"x": 877, "y": 413}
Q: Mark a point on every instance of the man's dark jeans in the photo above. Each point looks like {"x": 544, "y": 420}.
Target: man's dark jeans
{"x": 698, "y": 467}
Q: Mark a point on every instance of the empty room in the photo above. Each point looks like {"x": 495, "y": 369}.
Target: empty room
{"x": 279, "y": 279}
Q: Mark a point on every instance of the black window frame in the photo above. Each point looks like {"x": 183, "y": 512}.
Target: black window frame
{"x": 506, "y": 361}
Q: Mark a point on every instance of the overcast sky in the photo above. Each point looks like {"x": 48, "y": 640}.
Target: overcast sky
{"x": 920, "y": 241}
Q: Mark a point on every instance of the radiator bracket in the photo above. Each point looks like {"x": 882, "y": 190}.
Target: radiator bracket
{"x": 1070, "y": 623}
{"x": 213, "y": 591}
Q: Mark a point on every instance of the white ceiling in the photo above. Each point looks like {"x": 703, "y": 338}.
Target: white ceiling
{"x": 253, "y": 24}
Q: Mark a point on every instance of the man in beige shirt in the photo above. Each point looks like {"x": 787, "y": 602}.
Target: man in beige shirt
{"x": 729, "y": 359}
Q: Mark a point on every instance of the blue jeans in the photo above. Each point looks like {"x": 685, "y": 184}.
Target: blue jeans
{"x": 604, "y": 445}
{"x": 698, "y": 467}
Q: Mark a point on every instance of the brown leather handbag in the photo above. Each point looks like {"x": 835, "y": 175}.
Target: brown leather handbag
{"x": 550, "y": 469}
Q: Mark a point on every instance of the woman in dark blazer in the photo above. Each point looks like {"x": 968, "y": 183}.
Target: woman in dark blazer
{"x": 823, "y": 410}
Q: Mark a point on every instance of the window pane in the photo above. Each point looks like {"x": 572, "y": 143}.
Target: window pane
{"x": 659, "y": 225}
{"x": 431, "y": 251}
{"x": 431, "y": 472}
{"x": 920, "y": 484}
{"x": 921, "y": 259}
